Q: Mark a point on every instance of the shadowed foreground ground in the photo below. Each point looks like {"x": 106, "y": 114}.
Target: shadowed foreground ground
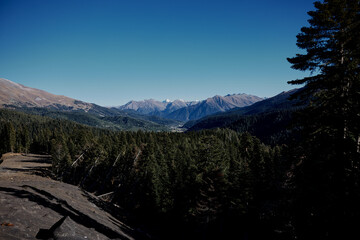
{"x": 33, "y": 206}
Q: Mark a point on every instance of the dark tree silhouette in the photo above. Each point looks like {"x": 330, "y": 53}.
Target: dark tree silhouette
{"x": 327, "y": 178}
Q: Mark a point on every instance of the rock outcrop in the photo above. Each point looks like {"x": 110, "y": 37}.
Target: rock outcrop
{"x": 34, "y": 206}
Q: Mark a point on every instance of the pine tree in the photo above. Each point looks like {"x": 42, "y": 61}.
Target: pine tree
{"x": 327, "y": 178}
{"x": 10, "y": 137}
{"x": 332, "y": 50}
{"x": 60, "y": 155}
{"x": 25, "y": 139}
{"x": 212, "y": 164}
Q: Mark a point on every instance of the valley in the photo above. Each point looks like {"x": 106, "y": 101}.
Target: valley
{"x": 147, "y": 115}
{"x": 227, "y": 166}
{"x": 170, "y": 163}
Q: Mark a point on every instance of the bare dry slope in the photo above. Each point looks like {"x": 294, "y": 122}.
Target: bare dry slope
{"x": 18, "y": 95}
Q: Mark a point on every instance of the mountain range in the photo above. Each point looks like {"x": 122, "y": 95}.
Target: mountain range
{"x": 154, "y": 107}
{"x": 267, "y": 119}
{"x": 14, "y": 95}
{"x": 230, "y": 111}
{"x": 34, "y": 101}
{"x": 181, "y": 110}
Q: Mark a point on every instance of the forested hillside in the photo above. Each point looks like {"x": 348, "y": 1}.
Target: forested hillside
{"x": 112, "y": 120}
{"x": 196, "y": 184}
{"x": 271, "y": 128}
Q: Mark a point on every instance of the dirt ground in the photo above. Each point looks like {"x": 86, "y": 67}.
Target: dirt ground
{"x": 34, "y": 206}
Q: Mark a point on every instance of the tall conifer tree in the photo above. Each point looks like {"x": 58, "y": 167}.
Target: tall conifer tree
{"x": 328, "y": 177}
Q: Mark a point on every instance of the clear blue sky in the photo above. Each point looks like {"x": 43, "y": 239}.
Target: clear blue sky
{"x": 112, "y": 51}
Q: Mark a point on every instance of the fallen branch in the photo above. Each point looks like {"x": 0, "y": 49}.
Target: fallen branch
{"x": 103, "y": 195}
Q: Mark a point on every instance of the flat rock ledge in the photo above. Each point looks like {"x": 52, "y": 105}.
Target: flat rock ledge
{"x": 34, "y": 206}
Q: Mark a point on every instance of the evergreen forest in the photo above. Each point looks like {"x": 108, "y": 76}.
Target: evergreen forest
{"x": 197, "y": 184}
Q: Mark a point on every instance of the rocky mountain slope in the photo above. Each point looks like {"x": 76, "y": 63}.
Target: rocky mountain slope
{"x": 279, "y": 102}
{"x": 154, "y": 107}
{"x": 213, "y": 105}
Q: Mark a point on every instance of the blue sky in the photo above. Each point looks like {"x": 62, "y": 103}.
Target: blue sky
{"x": 112, "y": 51}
